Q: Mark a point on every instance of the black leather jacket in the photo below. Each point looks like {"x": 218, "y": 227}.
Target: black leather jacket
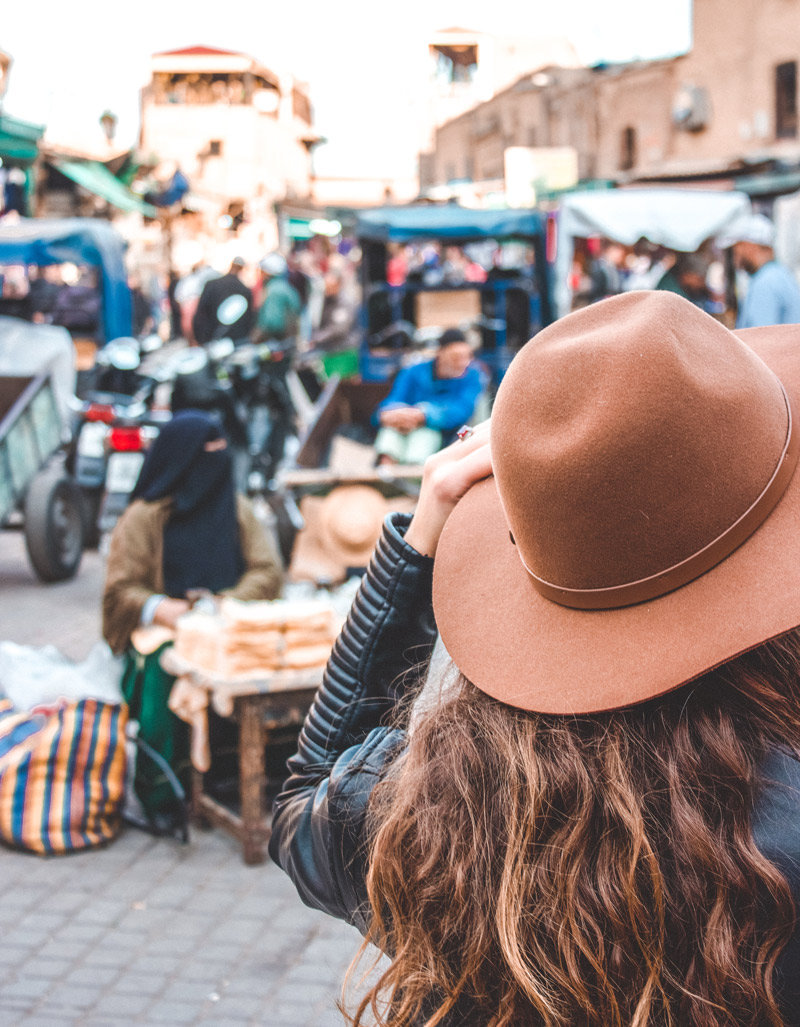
{"x": 318, "y": 819}
{"x": 318, "y": 826}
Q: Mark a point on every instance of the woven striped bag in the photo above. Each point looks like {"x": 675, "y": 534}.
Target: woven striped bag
{"x": 62, "y": 775}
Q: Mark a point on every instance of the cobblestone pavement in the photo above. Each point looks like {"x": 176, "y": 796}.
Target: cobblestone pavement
{"x": 147, "y": 931}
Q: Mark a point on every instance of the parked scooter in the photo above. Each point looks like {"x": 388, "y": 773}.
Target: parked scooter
{"x": 114, "y": 424}
{"x": 245, "y": 385}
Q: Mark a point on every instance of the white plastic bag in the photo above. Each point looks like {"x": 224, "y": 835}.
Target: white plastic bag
{"x": 31, "y": 676}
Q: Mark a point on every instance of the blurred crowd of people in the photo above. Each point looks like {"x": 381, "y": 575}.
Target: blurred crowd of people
{"x": 433, "y": 263}
{"x": 309, "y": 293}
{"x": 735, "y": 277}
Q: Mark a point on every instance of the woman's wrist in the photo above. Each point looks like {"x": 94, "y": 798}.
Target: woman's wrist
{"x": 424, "y": 530}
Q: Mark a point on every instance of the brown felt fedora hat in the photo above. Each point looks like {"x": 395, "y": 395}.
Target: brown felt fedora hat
{"x": 643, "y": 522}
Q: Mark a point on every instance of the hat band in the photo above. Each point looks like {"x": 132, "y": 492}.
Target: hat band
{"x": 693, "y": 566}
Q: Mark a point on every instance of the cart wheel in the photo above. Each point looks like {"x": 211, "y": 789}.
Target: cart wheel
{"x": 54, "y": 525}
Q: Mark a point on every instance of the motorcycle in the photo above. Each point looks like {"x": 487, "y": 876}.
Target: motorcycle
{"x": 115, "y": 422}
{"x": 244, "y": 385}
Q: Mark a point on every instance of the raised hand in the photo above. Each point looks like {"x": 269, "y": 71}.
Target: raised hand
{"x": 448, "y": 475}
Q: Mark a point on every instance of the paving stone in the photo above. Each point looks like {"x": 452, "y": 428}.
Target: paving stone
{"x": 80, "y": 933}
{"x": 214, "y": 1020}
{"x": 171, "y": 896}
{"x": 25, "y": 988}
{"x": 219, "y": 955}
{"x": 99, "y": 976}
{"x": 48, "y": 968}
{"x": 39, "y": 1020}
{"x": 57, "y": 950}
{"x": 237, "y": 931}
{"x": 26, "y": 939}
{"x": 175, "y": 1012}
{"x": 190, "y": 925}
{"x": 67, "y": 902}
{"x": 38, "y": 921}
{"x": 239, "y": 1005}
{"x": 11, "y": 955}
{"x": 107, "y": 912}
{"x": 21, "y": 898}
{"x": 122, "y": 1005}
{"x": 120, "y": 938}
{"x": 66, "y": 996}
{"x": 136, "y": 983}
{"x": 191, "y": 991}
{"x": 155, "y": 964}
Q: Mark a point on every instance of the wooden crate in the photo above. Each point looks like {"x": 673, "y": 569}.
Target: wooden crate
{"x": 447, "y": 308}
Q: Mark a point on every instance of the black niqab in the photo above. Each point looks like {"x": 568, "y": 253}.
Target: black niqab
{"x": 202, "y": 547}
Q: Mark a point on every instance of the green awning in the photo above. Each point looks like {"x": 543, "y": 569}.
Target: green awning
{"x": 19, "y": 140}
{"x": 298, "y": 228}
{"x": 769, "y": 183}
{"x": 98, "y": 179}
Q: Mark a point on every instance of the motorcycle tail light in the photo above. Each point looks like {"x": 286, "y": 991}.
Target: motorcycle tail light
{"x": 99, "y": 412}
{"x": 125, "y": 440}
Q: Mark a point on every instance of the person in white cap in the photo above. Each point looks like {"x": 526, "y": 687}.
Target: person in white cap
{"x": 773, "y": 296}
{"x": 279, "y": 314}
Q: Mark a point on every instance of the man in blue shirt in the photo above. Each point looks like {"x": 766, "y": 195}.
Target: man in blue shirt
{"x": 773, "y": 295}
{"x": 428, "y": 403}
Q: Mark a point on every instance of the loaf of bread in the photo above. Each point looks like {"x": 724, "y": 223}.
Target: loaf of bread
{"x": 245, "y": 639}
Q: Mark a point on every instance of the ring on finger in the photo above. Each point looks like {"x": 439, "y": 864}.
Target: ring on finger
{"x": 464, "y": 432}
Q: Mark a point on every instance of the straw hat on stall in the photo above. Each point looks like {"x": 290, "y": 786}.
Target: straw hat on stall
{"x": 341, "y": 530}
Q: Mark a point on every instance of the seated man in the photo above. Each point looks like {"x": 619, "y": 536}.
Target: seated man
{"x": 428, "y": 403}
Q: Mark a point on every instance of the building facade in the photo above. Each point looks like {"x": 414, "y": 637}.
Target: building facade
{"x": 241, "y": 133}
{"x": 728, "y": 106}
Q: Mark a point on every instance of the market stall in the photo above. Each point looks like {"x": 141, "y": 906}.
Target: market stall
{"x": 678, "y": 219}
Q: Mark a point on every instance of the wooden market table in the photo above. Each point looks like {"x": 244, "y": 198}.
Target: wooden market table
{"x": 263, "y": 706}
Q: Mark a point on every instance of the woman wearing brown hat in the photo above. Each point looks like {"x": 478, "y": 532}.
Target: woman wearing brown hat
{"x": 597, "y": 822}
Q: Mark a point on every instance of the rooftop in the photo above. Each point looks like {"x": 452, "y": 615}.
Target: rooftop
{"x": 199, "y": 51}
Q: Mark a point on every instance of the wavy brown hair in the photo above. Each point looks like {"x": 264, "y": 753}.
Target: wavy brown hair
{"x": 585, "y": 871}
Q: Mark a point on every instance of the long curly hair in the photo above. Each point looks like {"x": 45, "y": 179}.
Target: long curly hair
{"x": 584, "y": 871}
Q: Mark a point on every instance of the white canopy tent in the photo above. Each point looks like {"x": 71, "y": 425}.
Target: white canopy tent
{"x": 680, "y": 219}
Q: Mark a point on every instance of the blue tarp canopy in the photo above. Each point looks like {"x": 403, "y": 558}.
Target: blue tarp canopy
{"x": 76, "y": 241}
{"x": 450, "y": 222}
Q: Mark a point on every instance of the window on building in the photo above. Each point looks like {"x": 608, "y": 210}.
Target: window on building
{"x": 627, "y": 152}
{"x": 456, "y": 63}
{"x": 215, "y": 148}
{"x": 786, "y": 100}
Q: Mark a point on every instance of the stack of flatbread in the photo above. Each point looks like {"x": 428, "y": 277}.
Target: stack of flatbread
{"x": 248, "y": 638}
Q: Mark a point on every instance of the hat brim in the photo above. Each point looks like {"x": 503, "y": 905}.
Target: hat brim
{"x": 534, "y": 654}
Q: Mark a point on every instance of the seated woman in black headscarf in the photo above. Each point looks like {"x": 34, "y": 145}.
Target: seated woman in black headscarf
{"x": 186, "y": 535}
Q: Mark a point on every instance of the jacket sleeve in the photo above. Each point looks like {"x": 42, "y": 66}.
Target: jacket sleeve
{"x": 262, "y": 578}
{"x": 205, "y": 314}
{"x": 128, "y": 582}
{"x": 319, "y": 819}
{"x": 401, "y": 394}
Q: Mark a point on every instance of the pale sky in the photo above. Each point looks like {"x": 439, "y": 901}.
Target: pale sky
{"x": 74, "y": 59}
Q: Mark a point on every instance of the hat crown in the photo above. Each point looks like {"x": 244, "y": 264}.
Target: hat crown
{"x": 628, "y": 436}
{"x": 352, "y": 516}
